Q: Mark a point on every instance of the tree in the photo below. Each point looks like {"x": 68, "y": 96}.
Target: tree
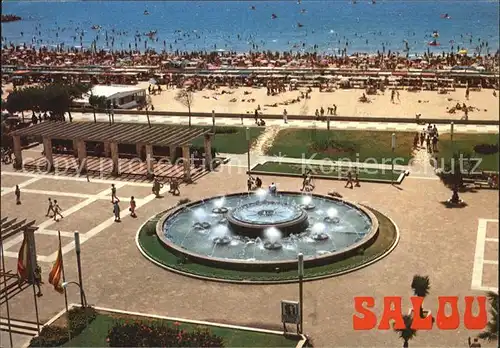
{"x": 421, "y": 286}
{"x": 75, "y": 91}
{"x": 185, "y": 97}
{"x": 452, "y": 176}
{"x": 56, "y": 98}
{"x": 491, "y": 332}
{"x": 97, "y": 102}
{"x": 407, "y": 333}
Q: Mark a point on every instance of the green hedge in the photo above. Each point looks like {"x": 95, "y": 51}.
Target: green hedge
{"x": 144, "y": 334}
{"x": 55, "y": 336}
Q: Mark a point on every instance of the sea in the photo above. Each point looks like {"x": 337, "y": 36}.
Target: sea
{"x": 326, "y": 27}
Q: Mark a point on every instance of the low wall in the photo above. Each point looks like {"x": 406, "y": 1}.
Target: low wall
{"x": 300, "y": 117}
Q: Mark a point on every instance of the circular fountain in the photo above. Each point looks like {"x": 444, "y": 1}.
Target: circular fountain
{"x": 261, "y": 231}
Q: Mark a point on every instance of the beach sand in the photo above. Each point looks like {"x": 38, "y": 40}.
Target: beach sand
{"x": 429, "y": 104}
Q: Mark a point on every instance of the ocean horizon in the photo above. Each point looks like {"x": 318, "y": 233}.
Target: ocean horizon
{"x": 326, "y": 27}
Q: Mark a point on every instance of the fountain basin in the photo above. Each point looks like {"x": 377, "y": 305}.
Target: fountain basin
{"x": 247, "y": 249}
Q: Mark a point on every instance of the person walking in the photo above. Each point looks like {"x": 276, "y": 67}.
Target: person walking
{"x": 116, "y": 210}
{"x": 132, "y": 207}
{"x": 334, "y": 110}
{"x": 57, "y": 210}
{"x": 18, "y": 195}
{"x": 50, "y": 208}
{"x": 285, "y": 116}
{"x": 113, "y": 193}
{"x": 349, "y": 179}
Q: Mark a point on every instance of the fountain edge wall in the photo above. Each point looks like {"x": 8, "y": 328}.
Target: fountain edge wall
{"x": 269, "y": 266}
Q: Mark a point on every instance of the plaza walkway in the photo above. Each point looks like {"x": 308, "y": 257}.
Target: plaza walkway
{"x": 348, "y": 125}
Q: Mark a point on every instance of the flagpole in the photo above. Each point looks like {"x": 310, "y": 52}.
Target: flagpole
{"x": 64, "y": 280}
{"x": 33, "y": 266}
{"x": 6, "y": 292}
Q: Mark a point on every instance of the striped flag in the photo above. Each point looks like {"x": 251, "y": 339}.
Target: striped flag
{"x": 55, "y": 274}
{"x": 22, "y": 260}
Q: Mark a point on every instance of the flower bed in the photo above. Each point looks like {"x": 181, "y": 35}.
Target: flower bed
{"x": 146, "y": 334}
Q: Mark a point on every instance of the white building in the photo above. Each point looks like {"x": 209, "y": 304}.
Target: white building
{"x": 122, "y": 97}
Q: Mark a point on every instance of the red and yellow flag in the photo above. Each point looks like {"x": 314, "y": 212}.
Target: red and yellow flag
{"x": 55, "y": 274}
{"x": 22, "y": 260}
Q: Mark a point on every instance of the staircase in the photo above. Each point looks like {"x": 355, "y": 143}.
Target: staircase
{"x": 20, "y": 327}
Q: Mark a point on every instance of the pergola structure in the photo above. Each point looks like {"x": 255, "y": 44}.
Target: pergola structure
{"x": 111, "y": 135}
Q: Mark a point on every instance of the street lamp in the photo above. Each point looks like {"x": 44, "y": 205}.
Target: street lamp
{"x": 452, "y": 129}
{"x": 65, "y": 285}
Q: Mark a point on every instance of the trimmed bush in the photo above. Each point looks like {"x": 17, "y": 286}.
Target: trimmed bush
{"x": 226, "y": 130}
{"x": 50, "y": 336}
{"x": 79, "y": 318}
{"x": 55, "y": 336}
{"x": 486, "y": 149}
{"x": 142, "y": 334}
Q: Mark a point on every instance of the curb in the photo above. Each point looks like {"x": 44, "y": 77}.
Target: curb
{"x": 326, "y": 177}
{"x": 300, "y": 344}
{"x": 267, "y": 282}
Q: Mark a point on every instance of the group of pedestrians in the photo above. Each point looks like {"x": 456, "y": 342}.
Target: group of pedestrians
{"x": 116, "y": 205}
{"x": 55, "y": 209}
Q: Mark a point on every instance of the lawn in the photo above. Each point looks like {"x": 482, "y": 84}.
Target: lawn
{"x": 464, "y": 143}
{"x": 94, "y": 335}
{"x": 335, "y": 172}
{"x": 231, "y": 139}
{"x": 342, "y": 144}
{"x": 151, "y": 245}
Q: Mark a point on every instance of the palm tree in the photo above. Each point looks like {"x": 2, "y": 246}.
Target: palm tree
{"x": 452, "y": 176}
{"x": 421, "y": 286}
{"x": 407, "y": 333}
{"x": 491, "y": 332}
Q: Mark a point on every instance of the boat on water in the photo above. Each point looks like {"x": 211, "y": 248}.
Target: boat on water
{"x": 273, "y": 16}
{"x": 146, "y": 12}
{"x": 434, "y": 43}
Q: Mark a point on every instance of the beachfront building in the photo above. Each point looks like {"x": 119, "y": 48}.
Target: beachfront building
{"x": 122, "y": 97}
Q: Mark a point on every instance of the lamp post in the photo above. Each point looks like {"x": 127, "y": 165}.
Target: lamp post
{"x": 213, "y": 121}
{"x": 247, "y": 133}
{"x": 84, "y": 302}
{"x": 301, "y": 290}
{"x": 452, "y": 129}
{"x": 393, "y": 147}
{"x": 79, "y": 265}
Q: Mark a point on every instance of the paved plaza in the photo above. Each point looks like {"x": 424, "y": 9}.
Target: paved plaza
{"x": 456, "y": 248}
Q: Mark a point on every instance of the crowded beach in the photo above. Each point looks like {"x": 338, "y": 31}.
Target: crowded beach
{"x": 359, "y": 85}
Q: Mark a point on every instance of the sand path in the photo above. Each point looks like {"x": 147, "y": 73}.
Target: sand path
{"x": 265, "y": 140}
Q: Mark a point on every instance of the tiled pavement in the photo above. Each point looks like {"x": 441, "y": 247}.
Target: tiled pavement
{"x": 383, "y": 126}
{"x": 435, "y": 241}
